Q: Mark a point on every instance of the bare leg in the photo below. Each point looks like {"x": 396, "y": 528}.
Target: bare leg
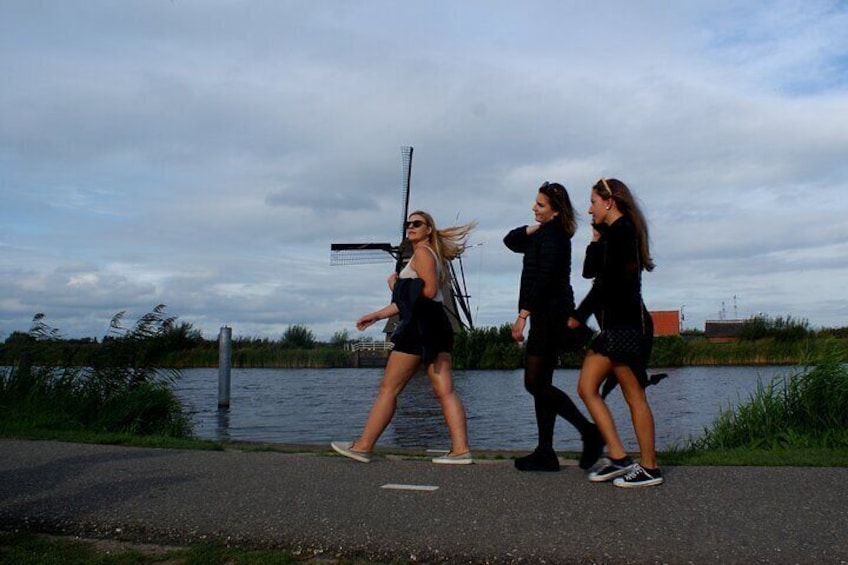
{"x": 441, "y": 378}
{"x": 640, "y": 414}
{"x": 400, "y": 367}
{"x": 595, "y": 369}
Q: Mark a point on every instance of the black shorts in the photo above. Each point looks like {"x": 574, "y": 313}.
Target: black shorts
{"x": 430, "y": 330}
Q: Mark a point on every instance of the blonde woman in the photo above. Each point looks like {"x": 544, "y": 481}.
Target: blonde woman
{"x": 424, "y": 334}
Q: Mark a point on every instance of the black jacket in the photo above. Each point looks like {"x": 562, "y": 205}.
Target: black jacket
{"x": 546, "y": 269}
{"x": 416, "y": 316}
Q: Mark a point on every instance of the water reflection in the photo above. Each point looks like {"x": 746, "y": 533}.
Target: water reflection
{"x": 222, "y": 427}
{"x": 418, "y": 420}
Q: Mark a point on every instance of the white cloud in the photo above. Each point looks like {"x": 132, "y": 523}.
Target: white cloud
{"x": 205, "y": 155}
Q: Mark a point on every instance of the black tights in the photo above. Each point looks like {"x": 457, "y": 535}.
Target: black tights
{"x": 549, "y": 400}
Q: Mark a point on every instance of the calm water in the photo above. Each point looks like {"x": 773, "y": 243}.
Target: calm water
{"x": 311, "y": 406}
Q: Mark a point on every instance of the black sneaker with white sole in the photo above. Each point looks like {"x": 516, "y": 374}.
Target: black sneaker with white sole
{"x": 607, "y": 469}
{"x": 639, "y": 476}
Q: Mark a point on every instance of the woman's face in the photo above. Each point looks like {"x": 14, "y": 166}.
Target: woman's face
{"x": 417, "y": 228}
{"x": 598, "y": 208}
{"x": 543, "y": 210}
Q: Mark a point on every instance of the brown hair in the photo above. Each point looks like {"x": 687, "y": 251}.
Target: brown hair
{"x": 558, "y": 197}
{"x": 625, "y": 201}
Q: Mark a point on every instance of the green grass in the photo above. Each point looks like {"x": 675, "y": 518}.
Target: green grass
{"x": 806, "y": 410}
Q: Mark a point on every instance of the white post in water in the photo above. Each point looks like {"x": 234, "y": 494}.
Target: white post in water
{"x": 225, "y": 350}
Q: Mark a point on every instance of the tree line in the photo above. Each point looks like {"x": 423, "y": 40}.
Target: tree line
{"x": 174, "y": 344}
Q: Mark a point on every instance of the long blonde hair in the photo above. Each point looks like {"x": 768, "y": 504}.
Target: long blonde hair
{"x": 448, "y": 243}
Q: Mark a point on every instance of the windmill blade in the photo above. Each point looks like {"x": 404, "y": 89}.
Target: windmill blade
{"x": 460, "y": 308}
{"x": 404, "y": 252}
{"x": 406, "y": 154}
{"x": 361, "y": 253}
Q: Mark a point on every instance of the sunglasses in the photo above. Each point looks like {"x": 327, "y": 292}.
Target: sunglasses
{"x": 415, "y": 224}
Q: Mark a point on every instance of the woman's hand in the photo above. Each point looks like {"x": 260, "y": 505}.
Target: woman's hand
{"x": 596, "y": 234}
{"x": 573, "y": 323}
{"x": 518, "y": 328}
{"x": 367, "y": 320}
{"x": 381, "y": 314}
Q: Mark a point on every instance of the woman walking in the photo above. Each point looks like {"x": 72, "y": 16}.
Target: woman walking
{"x": 424, "y": 333}
{"x": 615, "y": 258}
{"x": 547, "y": 299}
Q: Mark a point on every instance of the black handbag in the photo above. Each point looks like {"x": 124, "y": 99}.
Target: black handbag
{"x": 622, "y": 341}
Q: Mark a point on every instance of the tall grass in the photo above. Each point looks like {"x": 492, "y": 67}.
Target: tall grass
{"x": 808, "y": 409}
{"x": 125, "y": 389}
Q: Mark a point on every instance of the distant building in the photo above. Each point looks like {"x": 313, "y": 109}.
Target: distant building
{"x": 666, "y": 322}
{"x": 723, "y": 331}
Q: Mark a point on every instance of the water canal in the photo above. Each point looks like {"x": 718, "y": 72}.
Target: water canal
{"x": 315, "y": 406}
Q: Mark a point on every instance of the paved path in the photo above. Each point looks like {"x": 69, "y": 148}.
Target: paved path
{"x": 483, "y": 513}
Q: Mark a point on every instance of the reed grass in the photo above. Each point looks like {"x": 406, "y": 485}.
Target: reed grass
{"x": 805, "y": 410}
{"x": 125, "y": 390}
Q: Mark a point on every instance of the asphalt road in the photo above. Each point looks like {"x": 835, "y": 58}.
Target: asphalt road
{"x": 318, "y": 503}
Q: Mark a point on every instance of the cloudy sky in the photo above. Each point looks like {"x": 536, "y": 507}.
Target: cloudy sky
{"x": 204, "y": 154}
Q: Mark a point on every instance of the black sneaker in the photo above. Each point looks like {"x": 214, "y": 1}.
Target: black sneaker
{"x": 539, "y": 460}
{"x": 638, "y": 476}
{"x": 608, "y": 469}
{"x": 593, "y": 447}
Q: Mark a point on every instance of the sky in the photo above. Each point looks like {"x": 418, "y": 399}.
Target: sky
{"x": 204, "y": 154}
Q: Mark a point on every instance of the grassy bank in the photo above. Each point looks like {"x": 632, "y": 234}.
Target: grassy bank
{"x": 124, "y": 394}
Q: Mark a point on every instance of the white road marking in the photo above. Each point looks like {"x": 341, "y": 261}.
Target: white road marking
{"x": 397, "y": 486}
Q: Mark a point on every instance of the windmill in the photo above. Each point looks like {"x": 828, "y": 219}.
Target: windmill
{"x": 454, "y": 289}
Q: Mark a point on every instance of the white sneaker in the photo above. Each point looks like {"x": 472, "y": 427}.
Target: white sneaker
{"x": 448, "y": 459}
{"x": 606, "y": 469}
{"x": 346, "y": 448}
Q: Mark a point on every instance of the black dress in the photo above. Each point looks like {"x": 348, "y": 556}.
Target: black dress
{"x": 615, "y": 299}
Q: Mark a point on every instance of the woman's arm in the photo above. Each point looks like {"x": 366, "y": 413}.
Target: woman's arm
{"x": 381, "y": 314}
{"x": 517, "y": 240}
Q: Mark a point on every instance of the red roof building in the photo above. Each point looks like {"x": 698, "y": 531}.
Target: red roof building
{"x": 666, "y": 322}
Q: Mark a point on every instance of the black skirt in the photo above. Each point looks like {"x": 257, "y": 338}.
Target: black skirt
{"x": 550, "y": 335}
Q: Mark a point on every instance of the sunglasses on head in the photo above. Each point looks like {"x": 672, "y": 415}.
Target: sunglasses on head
{"x": 415, "y": 224}
{"x": 550, "y": 187}
{"x": 606, "y": 186}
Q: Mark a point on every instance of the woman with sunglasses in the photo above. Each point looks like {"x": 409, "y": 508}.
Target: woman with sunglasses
{"x": 547, "y": 300}
{"x": 615, "y": 259}
{"x": 424, "y": 333}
